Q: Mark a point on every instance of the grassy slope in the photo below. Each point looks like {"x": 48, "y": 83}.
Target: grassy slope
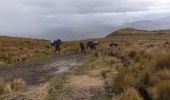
{"x": 136, "y": 32}
{"x": 15, "y": 50}
{"x": 147, "y": 68}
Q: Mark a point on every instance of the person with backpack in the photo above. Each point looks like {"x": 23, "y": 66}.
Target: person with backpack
{"x": 82, "y": 47}
{"x": 57, "y": 44}
{"x": 92, "y": 45}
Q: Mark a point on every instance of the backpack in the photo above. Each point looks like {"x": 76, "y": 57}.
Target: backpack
{"x": 59, "y": 41}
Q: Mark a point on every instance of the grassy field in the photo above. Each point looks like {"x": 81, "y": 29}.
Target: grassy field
{"x": 138, "y": 69}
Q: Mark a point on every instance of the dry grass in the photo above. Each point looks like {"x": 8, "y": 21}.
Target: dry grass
{"x": 14, "y": 50}
{"x": 8, "y": 89}
{"x": 148, "y": 56}
{"x": 162, "y": 90}
{"x": 18, "y": 85}
{"x": 162, "y": 62}
{"x": 123, "y": 81}
{"x": 163, "y": 74}
{"x": 105, "y": 72}
{"x": 130, "y": 94}
{"x": 148, "y": 63}
{"x": 132, "y": 54}
{"x": 85, "y": 82}
{"x": 2, "y": 87}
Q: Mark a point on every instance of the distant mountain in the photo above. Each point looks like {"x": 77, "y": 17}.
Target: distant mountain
{"x": 157, "y": 24}
{"x": 137, "y": 32}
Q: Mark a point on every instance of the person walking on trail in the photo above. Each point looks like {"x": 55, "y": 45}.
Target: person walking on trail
{"x": 57, "y": 44}
{"x": 52, "y": 43}
{"x": 111, "y": 44}
{"x": 92, "y": 45}
{"x": 82, "y": 47}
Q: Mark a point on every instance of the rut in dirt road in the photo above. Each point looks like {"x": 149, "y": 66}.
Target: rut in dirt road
{"x": 41, "y": 71}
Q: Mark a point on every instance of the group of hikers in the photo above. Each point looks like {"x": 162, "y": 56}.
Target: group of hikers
{"x": 90, "y": 45}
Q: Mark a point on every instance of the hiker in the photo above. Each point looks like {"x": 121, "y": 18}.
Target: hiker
{"x": 92, "y": 45}
{"x": 52, "y": 43}
{"x": 116, "y": 44}
{"x": 111, "y": 44}
{"x": 57, "y": 44}
{"x": 82, "y": 47}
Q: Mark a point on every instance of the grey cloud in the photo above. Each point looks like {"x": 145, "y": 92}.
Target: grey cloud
{"x": 87, "y": 6}
{"x": 70, "y": 19}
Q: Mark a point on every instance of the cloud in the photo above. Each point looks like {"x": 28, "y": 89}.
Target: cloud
{"x": 71, "y": 19}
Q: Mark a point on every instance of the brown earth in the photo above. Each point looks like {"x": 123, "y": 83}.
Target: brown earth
{"x": 37, "y": 74}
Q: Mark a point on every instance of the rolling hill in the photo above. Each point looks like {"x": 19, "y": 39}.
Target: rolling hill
{"x": 137, "y": 32}
{"x": 156, "y": 24}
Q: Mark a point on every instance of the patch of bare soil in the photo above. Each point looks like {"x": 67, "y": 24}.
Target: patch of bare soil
{"x": 85, "y": 82}
{"x": 37, "y": 74}
{"x": 82, "y": 86}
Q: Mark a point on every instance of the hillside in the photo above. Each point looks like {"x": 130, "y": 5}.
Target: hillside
{"x": 137, "y": 32}
{"x": 15, "y": 50}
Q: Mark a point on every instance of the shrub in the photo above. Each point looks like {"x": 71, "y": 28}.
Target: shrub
{"x": 130, "y": 94}
{"x": 18, "y": 85}
{"x": 123, "y": 81}
{"x": 163, "y": 90}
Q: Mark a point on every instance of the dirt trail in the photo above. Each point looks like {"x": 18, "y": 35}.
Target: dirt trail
{"x": 37, "y": 74}
{"x": 41, "y": 71}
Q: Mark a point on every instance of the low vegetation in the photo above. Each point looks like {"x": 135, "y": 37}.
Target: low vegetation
{"x": 130, "y": 94}
{"x": 130, "y": 71}
{"x": 16, "y": 50}
{"x": 10, "y": 88}
{"x": 162, "y": 90}
{"x": 136, "y": 69}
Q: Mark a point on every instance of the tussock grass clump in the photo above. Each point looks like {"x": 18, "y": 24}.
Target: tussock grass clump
{"x": 130, "y": 94}
{"x": 118, "y": 66}
{"x": 162, "y": 62}
{"x": 18, "y": 85}
{"x": 164, "y": 74}
{"x": 147, "y": 79}
{"x": 162, "y": 90}
{"x": 123, "y": 81}
{"x": 132, "y": 54}
{"x": 2, "y": 87}
{"x": 104, "y": 73}
{"x": 5, "y": 89}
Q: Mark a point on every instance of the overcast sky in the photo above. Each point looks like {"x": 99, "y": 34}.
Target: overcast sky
{"x": 74, "y": 19}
